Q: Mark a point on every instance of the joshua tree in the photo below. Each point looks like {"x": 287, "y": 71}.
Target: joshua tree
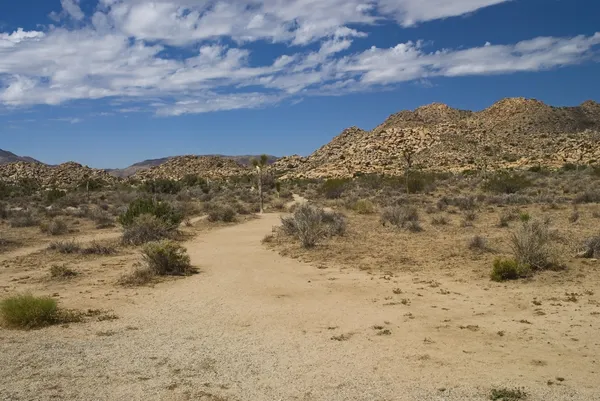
{"x": 260, "y": 165}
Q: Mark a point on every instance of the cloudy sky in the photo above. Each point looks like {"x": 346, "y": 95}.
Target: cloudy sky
{"x": 111, "y": 82}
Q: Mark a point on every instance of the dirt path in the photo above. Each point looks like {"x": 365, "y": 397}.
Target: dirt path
{"x": 256, "y": 326}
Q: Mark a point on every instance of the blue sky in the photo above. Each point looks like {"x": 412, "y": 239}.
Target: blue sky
{"x": 111, "y": 82}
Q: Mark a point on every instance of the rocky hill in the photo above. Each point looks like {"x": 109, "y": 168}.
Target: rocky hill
{"x": 175, "y": 168}
{"x": 146, "y": 164}
{"x": 9, "y": 157}
{"x": 63, "y": 176}
{"x": 514, "y": 132}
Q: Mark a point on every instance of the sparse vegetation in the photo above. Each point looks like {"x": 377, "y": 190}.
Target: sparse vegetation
{"x": 505, "y": 394}
{"x": 591, "y": 247}
{"x": 150, "y": 206}
{"x": 23, "y": 219}
{"x": 363, "y": 206}
{"x": 478, "y": 243}
{"x": 226, "y": 214}
{"x": 66, "y": 247}
{"x": 506, "y": 183}
{"x": 62, "y": 272}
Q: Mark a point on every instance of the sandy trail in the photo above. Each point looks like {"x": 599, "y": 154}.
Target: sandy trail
{"x": 256, "y": 326}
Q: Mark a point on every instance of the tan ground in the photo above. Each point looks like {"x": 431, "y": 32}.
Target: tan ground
{"x": 254, "y": 325}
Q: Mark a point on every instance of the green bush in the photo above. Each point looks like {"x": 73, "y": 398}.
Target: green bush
{"x": 28, "y": 312}
{"x": 509, "y": 269}
{"x": 162, "y": 186}
{"x": 53, "y": 195}
{"x": 147, "y": 228}
{"x": 506, "y": 183}
{"x": 167, "y": 258}
{"x": 158, "y": 209}
{"x": 334, "y": 188}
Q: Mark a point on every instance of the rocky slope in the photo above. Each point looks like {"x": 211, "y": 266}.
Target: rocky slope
{"x": 64, "y": 176}
{"x": 175, "y": 168}
{"x": 514, "y": 132}
{"x": 147, "y": 164}
{"x": 9, "y": 157}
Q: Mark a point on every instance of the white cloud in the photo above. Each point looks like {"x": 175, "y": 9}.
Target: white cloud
{"x": 70, "y": 120}
{"x": 121, "y": 53}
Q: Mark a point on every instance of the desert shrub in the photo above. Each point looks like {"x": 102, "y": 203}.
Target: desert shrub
{"x": 23, "y": 219}
{"x": 531, "y": 245}
{"x": 505, "y": 394}
{"x": 147, "y": 228}
{"x": 226, "y": 214}
{"x": 96, "y": 248}
{"x": 470, "y": 215}
{"x": 509, "y": 269}
{"x": 54, "y": 194}
{"x": 439, "y": 221}
{"x": 278, "y": 204}
{"x": 167, "y": 258}
{"x": 419, "y": 181}
{"x": 461, "y": 202}
{"x": 335, "y": 223}
{"x": 591, "y": 247}
{"x": 310, "y": 224}
{"x": 506, "y": 183}
{"x": 161, "y": 210}
{"x": 28, "y": 312}
{"x": 56, "y": 226}
{"x": 400, "y": 216}
{"x": 67, "y": 247}
{"x": 574, "y": 216}
{"x": 62, "y": 272}
{"x": 334, "y": 188}
{"x": 102, "y": 218}
{"x": 162, "y": 186}
{"x": 506, "y": 217}
{"x": 193, "y": 180}
{"x": 478, "y": 243}
{"x": 588, "y": 197}
{"x": 140, "y": 275}
{"x": 363, "y": 206}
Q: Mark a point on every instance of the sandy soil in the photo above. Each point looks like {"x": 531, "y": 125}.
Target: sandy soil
{"x": 254, "y": 325}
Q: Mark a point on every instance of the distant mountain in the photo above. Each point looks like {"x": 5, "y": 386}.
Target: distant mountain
{"x": 244, "y": 160}
{"x": 9, "y": 157}
{"x": 514, "y": 132}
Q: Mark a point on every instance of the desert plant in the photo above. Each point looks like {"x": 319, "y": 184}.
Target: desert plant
{"x": 334, "y": 188}
{"x": 439, "y": 220}
{"x": 102, "y": 218}
{"x": 62, "y": 272}
{"x": 147, "y": 228}
{"x": 478, "y": 243}
{"x": 306, "y": 224}
{"x": 66, "y": 247}
{"x": 96, "y": 248}
{"x": 226, "y": 214}
{"x": 167, "y": 258}
{"x": 574, "y": 216}
{"x": 53, "y": 195}
{"x": 591, "y": 248}
{"x": 162, "y": 186}
{"x": 335, "y": 223}
{"x": 507, "y": 183}
{"x": 470, "y": 215}
{"x": 363, "y": 206}
{"x": 56, "y": 226}
{"x": 531, "y": 245}
{"x": 27, "y": 311}
{"x": 509, "y": 269}
{"x": 140, "y": 275}
{"x": 23, "y": 219}
{"x": 151, "y": 206}
{"x": 400, "y": 216}
{"x": 505, "y": 394}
